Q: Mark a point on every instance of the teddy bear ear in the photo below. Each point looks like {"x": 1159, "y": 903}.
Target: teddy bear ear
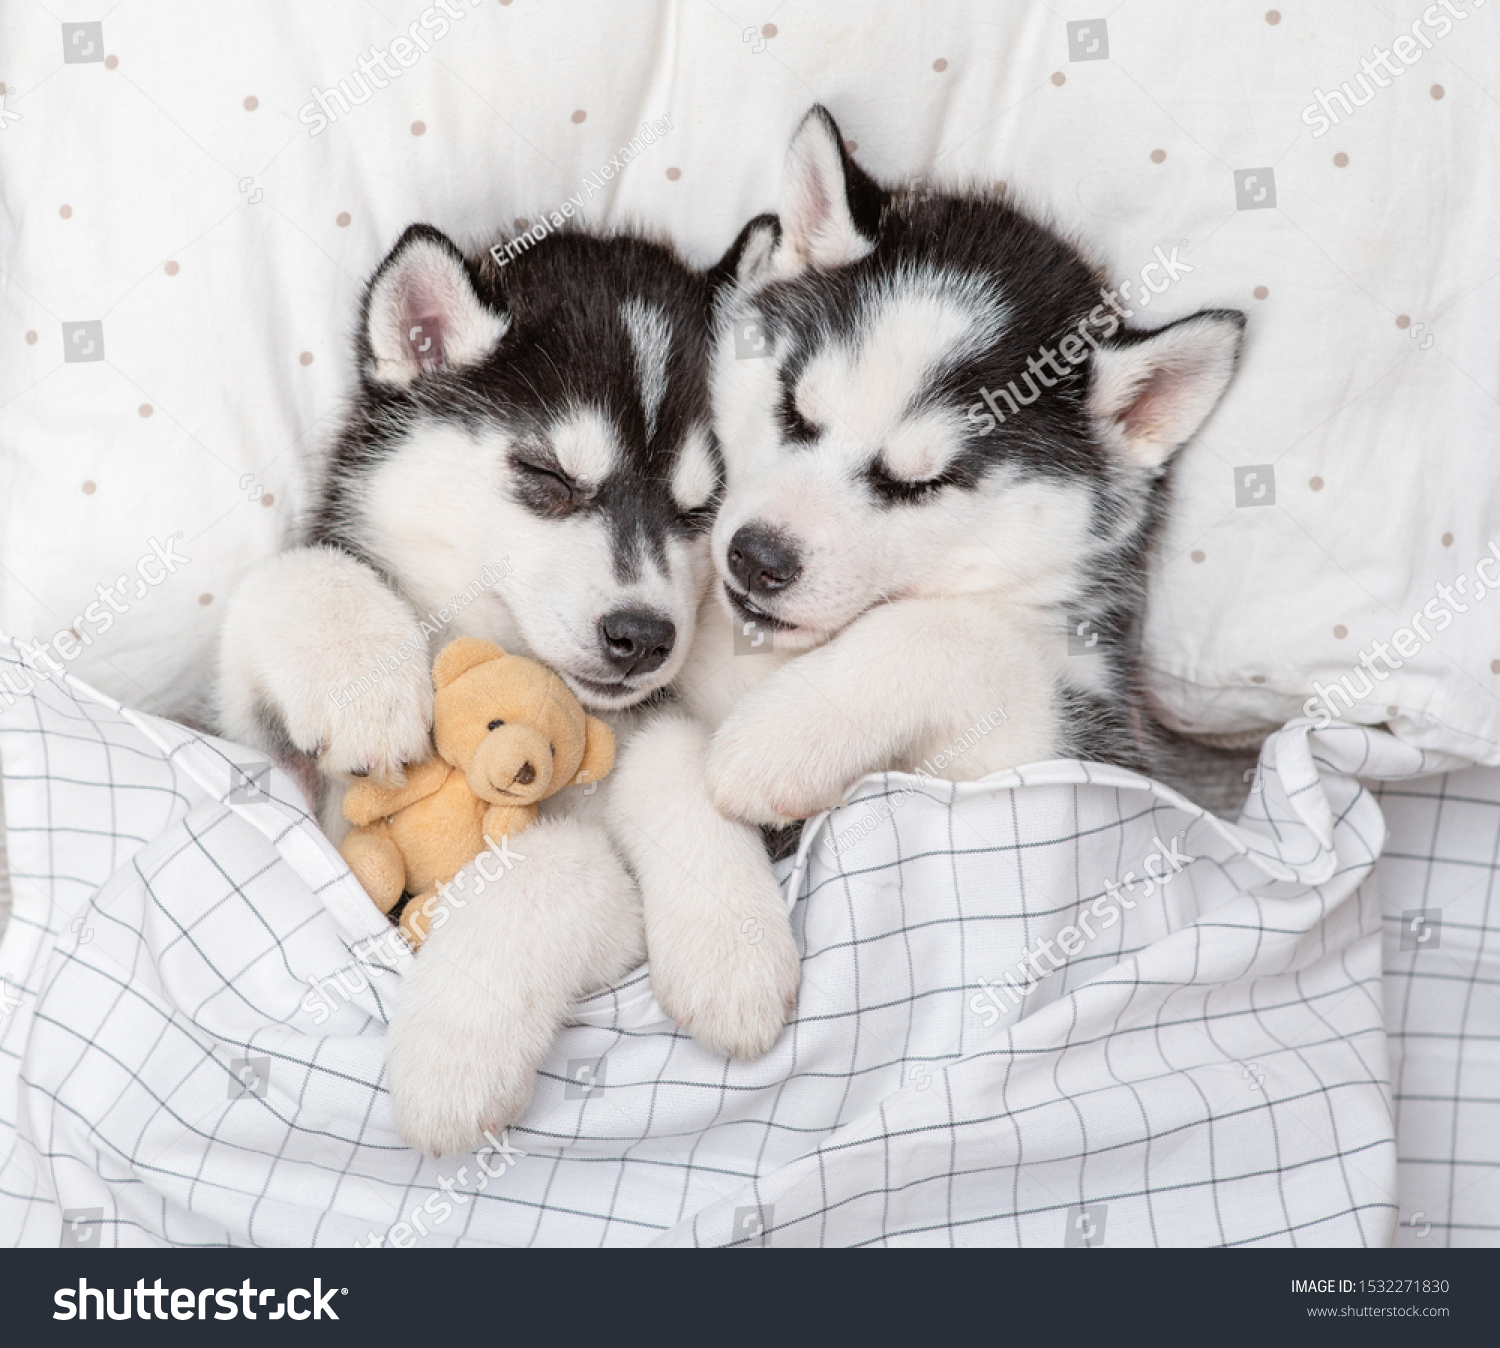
{"x": 598, "y": 751}
{"x": 459, "y": 657}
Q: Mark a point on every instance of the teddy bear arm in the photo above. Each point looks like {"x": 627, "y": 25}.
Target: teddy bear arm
{"x": 503, "y": 820}
{"x": 365, "y": 802}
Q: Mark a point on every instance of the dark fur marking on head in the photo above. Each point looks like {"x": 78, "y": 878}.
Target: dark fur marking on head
{"x": 567, "y": 349}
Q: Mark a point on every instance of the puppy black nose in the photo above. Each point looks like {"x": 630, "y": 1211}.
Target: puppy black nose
{"x": 526, "y": 776}
{"x": 635, "y": 640}
{"x": 762, "y": 561}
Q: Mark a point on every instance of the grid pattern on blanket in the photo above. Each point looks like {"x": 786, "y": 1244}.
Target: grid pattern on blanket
{"x": 1209, "y": 1068}
{"x": 1439, "y": 885}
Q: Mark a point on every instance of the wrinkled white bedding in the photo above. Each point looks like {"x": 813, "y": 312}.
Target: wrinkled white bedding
{"x": 199, "y": 991}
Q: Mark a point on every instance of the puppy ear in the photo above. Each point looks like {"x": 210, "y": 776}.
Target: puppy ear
{"x": 1150, "y": 392}
{"x": 749, "y": 259}
{"x": 422, "y": 312}
{"x": 598, "y": 751}
{"x": 830, "y": 207}
{"x": 459, "y": 657}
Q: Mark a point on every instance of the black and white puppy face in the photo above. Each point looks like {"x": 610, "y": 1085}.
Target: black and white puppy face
{"x": 863, "y": 460}
{"x": 552, "y": 412}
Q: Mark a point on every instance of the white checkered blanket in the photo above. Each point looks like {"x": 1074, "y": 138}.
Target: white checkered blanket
{"x": 195, "y": 991}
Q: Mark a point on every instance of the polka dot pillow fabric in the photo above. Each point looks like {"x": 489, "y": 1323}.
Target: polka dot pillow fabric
{"x": 195, "y": 206}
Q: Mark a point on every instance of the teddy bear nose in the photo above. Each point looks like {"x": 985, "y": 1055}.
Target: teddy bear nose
{"x": 636, "y": 641}
{"x": 526, "y": 776}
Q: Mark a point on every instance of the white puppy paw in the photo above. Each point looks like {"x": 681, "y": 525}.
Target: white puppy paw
{"x": 482, "y": 1004}
{"x": 461, "y": 1056}
{"x": 376, "y": 731}
{"x": 728, "y": 976}
{"x": 776, "y": 759}
{"x": 317, "y": 648}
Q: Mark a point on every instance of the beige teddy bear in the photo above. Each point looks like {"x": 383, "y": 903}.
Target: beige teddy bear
{"x": 509, "y": 733}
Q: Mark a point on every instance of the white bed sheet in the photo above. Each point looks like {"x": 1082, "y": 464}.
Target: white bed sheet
{"x": 1210, "y": 1069}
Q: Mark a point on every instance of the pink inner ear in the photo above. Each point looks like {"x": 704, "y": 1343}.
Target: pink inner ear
{"x": 1151, "y": 407}
{"x": 424, "y": 335}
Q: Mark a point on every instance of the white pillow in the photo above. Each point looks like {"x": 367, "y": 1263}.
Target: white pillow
{"x": 189, "y": 149}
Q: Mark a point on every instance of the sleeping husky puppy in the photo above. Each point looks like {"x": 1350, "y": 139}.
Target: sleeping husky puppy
{"x": 528, "y": 458}
{"x": 945, "y": 468}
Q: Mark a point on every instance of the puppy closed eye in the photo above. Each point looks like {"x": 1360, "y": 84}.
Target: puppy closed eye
{"x": 545, "y": 487}
{"x": 495, "y": 724}
{"x": 794, "y": 426}
{"x": 699, "y": 519}
{"x": 895, "y": 490}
